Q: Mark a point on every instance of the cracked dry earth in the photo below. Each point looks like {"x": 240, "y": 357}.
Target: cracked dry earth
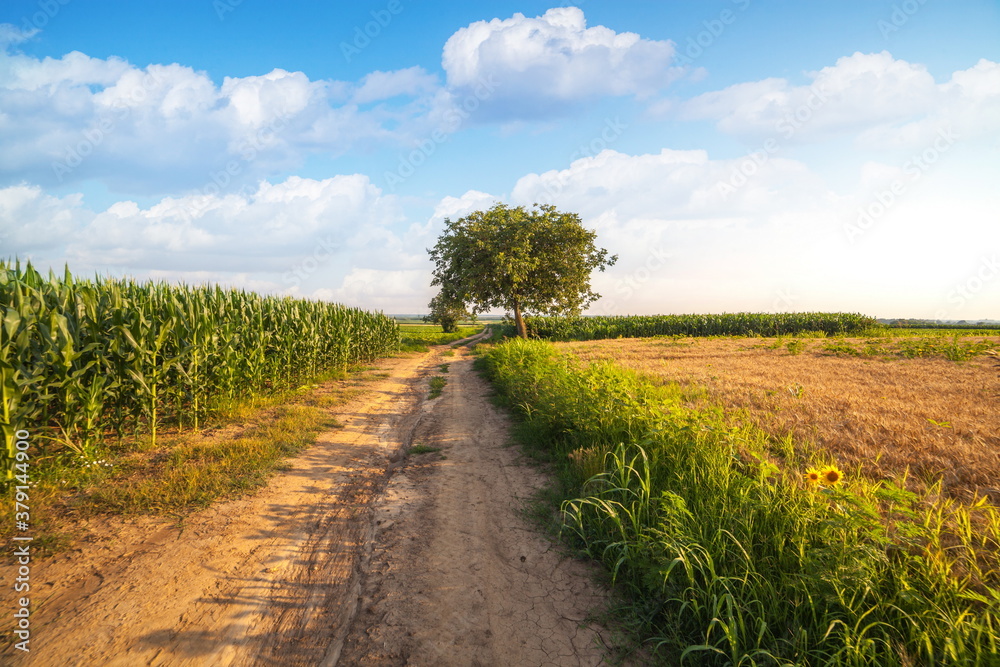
{"x": 357, "y": 554}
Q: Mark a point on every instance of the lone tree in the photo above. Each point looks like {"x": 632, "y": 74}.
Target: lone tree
{"x": 522, "y": 261}
{"x": 447, "y": 311}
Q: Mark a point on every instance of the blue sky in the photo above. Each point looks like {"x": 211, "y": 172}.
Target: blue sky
{"x": 736, "y": 154}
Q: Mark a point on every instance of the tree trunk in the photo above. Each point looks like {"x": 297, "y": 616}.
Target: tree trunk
{"x": 522, "y": 329}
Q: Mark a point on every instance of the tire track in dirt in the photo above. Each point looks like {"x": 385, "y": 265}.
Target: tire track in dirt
{"x": 262, "y": 580}
{"x": 353, "y": 555}
{"x": 457, "y": 575}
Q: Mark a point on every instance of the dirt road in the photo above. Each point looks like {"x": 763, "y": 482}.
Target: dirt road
{"x": 357, "y": 554}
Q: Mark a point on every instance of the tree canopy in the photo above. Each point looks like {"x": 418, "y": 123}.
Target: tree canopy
{"x": 523, "y": 261}
{"x": 447, "y": 312}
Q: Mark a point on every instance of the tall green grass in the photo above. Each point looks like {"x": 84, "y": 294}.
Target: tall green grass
{"x": 418, "y": 338}
{"x": 731, "y": 559}
{"x": 82, "y": 359}
{"x": 726, "y": 324}
{"x": 951, "y": 347}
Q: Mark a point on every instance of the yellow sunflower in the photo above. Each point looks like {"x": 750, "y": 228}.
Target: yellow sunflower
{"x": 813, "y": 476}
{"x": 831, "y": 475}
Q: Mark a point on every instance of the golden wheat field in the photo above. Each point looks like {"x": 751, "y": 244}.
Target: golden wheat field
{"x": 874, "y": 415}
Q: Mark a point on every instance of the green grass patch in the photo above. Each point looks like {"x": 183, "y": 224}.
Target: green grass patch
{"x": 795, "y": 346}
{"x": 951, "y": 346}
{"x": 842, "y": 348}
{"x": 236, "y": 451}
{"x": 437, "y": 384}
{"x": 941, "y": 331}
{"x": 419, "y": 325}
{"x": 196, "y": 472}
{"x": 419, "y": 338}
{"x": 423, "y": 449}
{"x": 728, "y": 554}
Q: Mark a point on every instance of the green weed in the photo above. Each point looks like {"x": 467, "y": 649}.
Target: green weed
{"x": 795, "y": 346}
{"x": 730, "y": 559}
{"x": 437, "y": 384}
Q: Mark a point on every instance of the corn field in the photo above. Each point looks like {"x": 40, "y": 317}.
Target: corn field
{"x": 84, "y": 359}
{"x": 726, "y": 324}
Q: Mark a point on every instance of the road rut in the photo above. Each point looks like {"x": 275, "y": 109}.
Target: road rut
{"x": 356, "y": 554}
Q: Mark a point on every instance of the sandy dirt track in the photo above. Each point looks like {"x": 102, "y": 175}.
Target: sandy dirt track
{"x": 457, "y": 576}
{"x": 357, "y": 554}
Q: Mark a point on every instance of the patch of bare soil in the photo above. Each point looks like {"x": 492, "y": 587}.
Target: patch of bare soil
{"x": 457, "y": 576}
{"x": 302, "y": 573}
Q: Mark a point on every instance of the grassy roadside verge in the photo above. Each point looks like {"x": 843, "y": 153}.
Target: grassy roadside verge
{"x": 187, "y": 470}
{"x": 732, "y": 560}
{"x": 419, "y": 338}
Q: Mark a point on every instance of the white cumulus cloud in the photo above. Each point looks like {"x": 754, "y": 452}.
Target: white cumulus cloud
{"x": 296, "y": 233}
{"x": 32, "y": 221}
{"x": 554, "y": 61}
{"x": 168, "y": 128}
{"x": 378, "y": 85}
{"x": 783, "y": 240}
{"x": 882, "y": 100}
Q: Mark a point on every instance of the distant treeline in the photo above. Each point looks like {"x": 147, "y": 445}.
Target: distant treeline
{"x": 933, "y": 324}
{"x": 725, "y": 324}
